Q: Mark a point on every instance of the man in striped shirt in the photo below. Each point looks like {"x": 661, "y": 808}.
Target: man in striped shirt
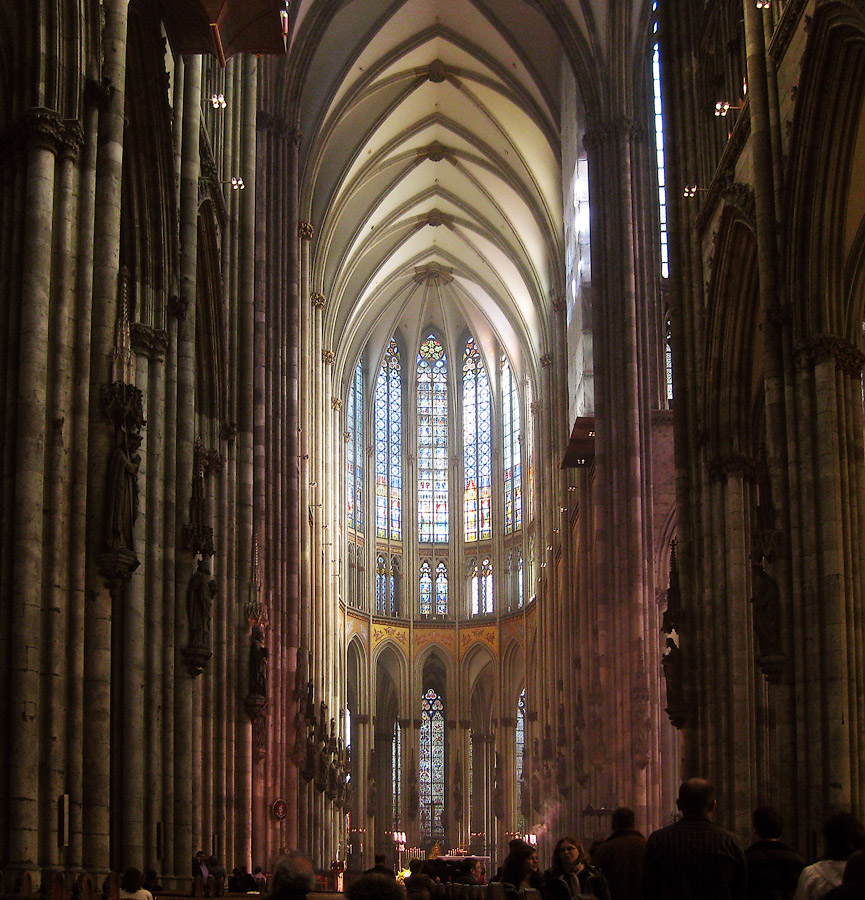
{"x": 694, "y": 859}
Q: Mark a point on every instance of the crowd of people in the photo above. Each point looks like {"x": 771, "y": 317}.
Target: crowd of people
{"x": 692, "y": 859}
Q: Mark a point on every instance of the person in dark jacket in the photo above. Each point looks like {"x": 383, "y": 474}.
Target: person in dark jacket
{"x": 571, "y": 875}
{"x": 381, "y": 867}
{"x": 773, "y": 867}
{"x": 620, "y": 857}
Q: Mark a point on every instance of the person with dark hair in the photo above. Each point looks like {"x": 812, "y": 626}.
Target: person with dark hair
{"x": 199, "y": 866}
{"x": 843, "y": 835}
{"x": 516, "y": 869}
{"x": 694, "y": 859}
{"x": 293, "y": 878}
{"x": 620, "y": 857}
{"x": 773, "y": 867}
{"x": 131, "y": 886}
{"x": 151, "y": 882}
{"x": 417, "y": 883}
{"x": 375, "y": 887}
{"x": 570, "y": 876}
{"x": 852, "y": 885}
{"x": 241, "y": 882}
{"x": 381, "y": 867}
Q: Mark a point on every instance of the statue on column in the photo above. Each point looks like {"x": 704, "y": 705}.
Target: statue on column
{"x": 767, "y": 622}
{"x": 200, "y": 593}
{"x": 122, "y": 495}
{"x": 257, "y": 663}
{"x": 674, "y": 676}
{"x": 498, "y": 790}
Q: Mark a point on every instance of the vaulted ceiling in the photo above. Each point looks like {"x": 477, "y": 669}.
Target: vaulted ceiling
{"x": 431, "y": 165}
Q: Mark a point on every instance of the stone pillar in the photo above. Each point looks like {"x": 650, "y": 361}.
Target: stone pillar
{"x": 186, "y": 776}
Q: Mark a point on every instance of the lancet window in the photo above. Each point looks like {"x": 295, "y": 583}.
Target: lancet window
{"x": 432, "y": 766}
{"x": 477, "y": 444}
{"x": 354, "y": 451}
{"x": 432, "y": 413}
{"x": 388, "y": 446}
{"x": 481, "y": 587}
{"x": 511, "y": 461}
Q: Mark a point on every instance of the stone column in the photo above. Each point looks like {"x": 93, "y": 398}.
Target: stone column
{"x": 106, "y": 262}
{"x": 41, "y": 133}
{"x": 183, "y": 764}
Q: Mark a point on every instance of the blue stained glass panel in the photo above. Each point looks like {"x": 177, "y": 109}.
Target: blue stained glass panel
{"x": 426, "y": 589}
{"x": 432, "y": 767}
{"x": 387, "y": 427}
{"x": 477, "y": 444}
{"x": 432, "y": 458}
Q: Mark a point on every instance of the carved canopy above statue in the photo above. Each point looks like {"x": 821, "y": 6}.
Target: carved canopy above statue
{"x": 226, "y": 27}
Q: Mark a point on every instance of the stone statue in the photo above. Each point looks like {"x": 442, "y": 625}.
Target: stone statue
{"x": 673, "y": 674}
{"x": 122, "y": 496}
{"x": 199, "y": 601}
{"x": 767, "y": 611}
{"x": 257, "y": 663}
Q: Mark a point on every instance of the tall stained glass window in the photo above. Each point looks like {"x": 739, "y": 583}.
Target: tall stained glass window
{"x": 382, "y": 586}
{"x": 354, "y": 455}
{"x": 432, "y": 464}
{"x": 396, "y": 773}
{"x": 477, "y": 443}
{"x": 388, "y": 446}
{"x": 659, "y": 143}
{"x": 481, "y": 587}
{"x": 432, "y": 767}
{"x": 512, "y": 464}
{"x": 520, "y": 747}
{"x": 441, "y": 590}
{"x": 426, "y": 589}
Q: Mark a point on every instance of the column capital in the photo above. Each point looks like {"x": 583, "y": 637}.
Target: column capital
{"x": 319, "y": 301}
{"x": 305, "y": 231}
{"x": 722, "y": 467}
{"x": 821, "y": 347}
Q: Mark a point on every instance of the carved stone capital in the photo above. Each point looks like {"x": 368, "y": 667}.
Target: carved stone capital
{"x": 305, "y": 231}
{"x": 335, "y": 403}
{"x": 178, "y": 306}
{"x": 148, "y": 341}
{"x": 228, "y": 432}
{"x": 722, "y": 467}
{"x": 822, "y": 347}
{"x": 328, "y": 357}
{"x": 558, "y": 304}
{"x": 547, "y": 360}
{"x": 319, "y": 301}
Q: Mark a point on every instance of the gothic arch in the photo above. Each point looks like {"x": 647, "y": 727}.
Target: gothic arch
{"x": 513, "y": 677}
{"x": 733, "y": 350}
{"x": 357, "y": 678}
{"x": 824, "y": 196}
{"x": 476, "y": 668}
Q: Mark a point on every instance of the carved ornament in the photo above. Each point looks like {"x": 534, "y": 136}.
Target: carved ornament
{"x": 327, "y": 357}
{"x": 151, "y": 342}
{"x": 848, "y": 358}
{"x": 722, "y": 467}
{"x": 335, "y": 403}
{"x": 319, "y": 301}
{"x": 305, "y": 231}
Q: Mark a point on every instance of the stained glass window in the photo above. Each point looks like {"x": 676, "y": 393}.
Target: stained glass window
{"x": 441, "y": 589}
{"x": 520, "y": 748}
{"x": 354, "y": 452}
{"x": 388, "y": 446}
{"x": 432, "y": 767}
{"x": 432, "y": 464}
{"x": 426, "y": 589}
{"x": 520, "y": 579}
{"x": 659, "y": 144}
{"x": 394, "y": 587}
{"x": 481, "y": 587}
{"x": 381, "y": 586}
{"x": 477, "y": 443}
{"x": 513, "y": 472}
{"x": 396, "y": 773}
